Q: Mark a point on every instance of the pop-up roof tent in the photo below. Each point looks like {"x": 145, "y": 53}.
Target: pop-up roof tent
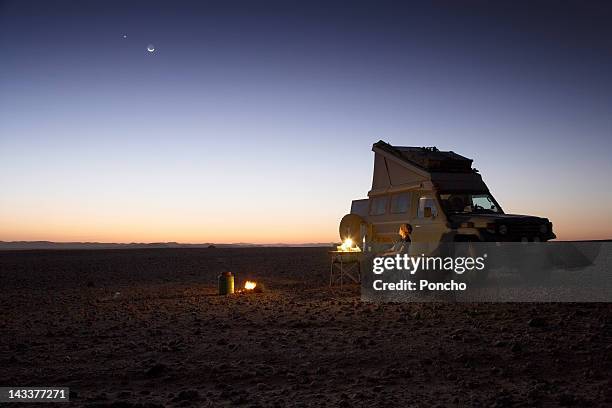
{"x": 398, "y": 168}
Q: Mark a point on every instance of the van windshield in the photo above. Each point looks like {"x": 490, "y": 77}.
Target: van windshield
{"x": 467, "y": 203}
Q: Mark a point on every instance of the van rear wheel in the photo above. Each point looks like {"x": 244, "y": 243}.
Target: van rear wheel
{"x": 465, "y": 247}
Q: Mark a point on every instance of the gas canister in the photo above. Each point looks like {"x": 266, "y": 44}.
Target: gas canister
{"x": 226, "y": 283}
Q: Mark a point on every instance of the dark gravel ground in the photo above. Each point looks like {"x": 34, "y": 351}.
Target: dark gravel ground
{"x": 129, "y": 328}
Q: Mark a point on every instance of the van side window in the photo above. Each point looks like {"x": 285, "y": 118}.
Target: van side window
{"x": 378, "y": 206}
{"x": 427, "y": 202}
{"x": 400, "y": 203}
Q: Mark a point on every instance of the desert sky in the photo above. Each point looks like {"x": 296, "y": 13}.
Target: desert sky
{"x": 253, "y": 121}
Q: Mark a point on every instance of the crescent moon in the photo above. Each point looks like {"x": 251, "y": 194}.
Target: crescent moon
{"x": 151, "y": 48}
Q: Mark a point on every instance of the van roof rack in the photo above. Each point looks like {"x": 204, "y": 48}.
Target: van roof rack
{"x": 430, "y": 159}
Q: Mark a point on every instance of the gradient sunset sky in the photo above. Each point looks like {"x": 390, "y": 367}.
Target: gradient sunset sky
{"x": 253, "y": 120}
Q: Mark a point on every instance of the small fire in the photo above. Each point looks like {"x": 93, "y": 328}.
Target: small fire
{"x": 248, "y": 285}
{"x": 347, "y": 246}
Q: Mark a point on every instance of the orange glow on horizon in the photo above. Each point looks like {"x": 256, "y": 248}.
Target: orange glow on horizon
{"x": 161, "y": 232}
{"x": 279, "y": 234}
{"x": 192, "y": 227}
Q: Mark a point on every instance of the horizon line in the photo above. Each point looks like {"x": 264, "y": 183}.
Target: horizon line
{"x": 42, "y": 244}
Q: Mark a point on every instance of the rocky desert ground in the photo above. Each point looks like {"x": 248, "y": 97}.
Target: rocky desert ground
{"x": 145, "y": 328}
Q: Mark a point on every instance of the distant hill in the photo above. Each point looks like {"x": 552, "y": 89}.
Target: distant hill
{"x": 33, "y": 245}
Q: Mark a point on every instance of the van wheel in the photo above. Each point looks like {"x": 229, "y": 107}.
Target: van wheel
{"x": 464, "y": 248}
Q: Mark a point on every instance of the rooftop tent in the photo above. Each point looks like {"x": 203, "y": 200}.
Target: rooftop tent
{"x": 402, "y": 168}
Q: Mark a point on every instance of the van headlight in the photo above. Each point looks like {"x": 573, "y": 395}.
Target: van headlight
{"x": 503, "y": 229}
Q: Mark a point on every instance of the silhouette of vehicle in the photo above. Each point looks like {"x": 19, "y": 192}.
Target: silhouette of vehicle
{"x": 441, "y": 196}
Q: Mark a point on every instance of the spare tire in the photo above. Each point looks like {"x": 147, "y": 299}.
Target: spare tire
{"x": 350, "y": 227}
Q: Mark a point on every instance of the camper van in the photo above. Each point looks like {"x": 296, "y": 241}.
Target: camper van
{"x": 440, "y": 195}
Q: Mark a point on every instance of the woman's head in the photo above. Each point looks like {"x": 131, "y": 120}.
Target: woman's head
{"x": 405, "y": 230}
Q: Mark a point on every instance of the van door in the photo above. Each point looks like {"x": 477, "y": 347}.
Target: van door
{"x": 429, "y": 226}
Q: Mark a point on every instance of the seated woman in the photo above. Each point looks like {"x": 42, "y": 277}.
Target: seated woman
{"x": 401, "y": 246}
